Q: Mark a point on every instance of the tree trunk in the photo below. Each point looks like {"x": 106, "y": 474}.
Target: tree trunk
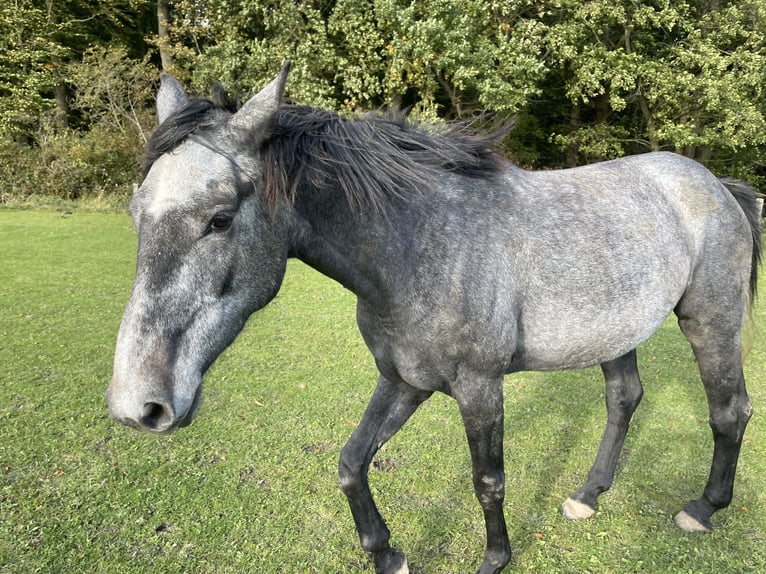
{"x": 61, "y": 119}
{"x": 163, "y": 17}
{"x": 574, "y": 124}
{"x": 651, "y": 127}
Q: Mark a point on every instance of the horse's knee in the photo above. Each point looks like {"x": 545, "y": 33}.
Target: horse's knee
{"x": 622, "y": 404}
{"x": 631, "y": 396}
{"x": 745, "y": 409}
{"x": 730, "y": 422}
{"x": 623, "y": 388}
{"x": 351, "y": 469}
{"x": 490, "y": 488}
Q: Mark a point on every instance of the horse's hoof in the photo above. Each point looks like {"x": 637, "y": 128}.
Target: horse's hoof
{"x": 688, "y": 523}
{"x": 576, "y": 510}
{"x": 391, "y": 561}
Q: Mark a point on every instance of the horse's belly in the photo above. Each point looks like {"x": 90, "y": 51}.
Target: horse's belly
{"x": 591, "y": 302}
{"x": 576, "y": 339}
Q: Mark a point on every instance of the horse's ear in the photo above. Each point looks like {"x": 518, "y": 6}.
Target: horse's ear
{"x": 260, "y": 112}
{"x": 170, "y": 98}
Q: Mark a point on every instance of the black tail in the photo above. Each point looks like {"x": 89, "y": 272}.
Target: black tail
{"x": 751, "y": 203}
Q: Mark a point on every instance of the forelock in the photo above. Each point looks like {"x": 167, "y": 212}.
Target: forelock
{"x": 197, "y": 116}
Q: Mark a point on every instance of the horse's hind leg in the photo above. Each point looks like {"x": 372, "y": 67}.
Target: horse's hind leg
{"x": 390, "y": 407}
{"x": 716, "y": 345}
{"x": 623, "y": 393}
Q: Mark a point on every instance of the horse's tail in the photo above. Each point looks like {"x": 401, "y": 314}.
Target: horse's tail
{"x": 751, "y": 203}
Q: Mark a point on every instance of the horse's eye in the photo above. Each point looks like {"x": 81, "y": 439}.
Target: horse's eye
{"x": 220, "y": 222}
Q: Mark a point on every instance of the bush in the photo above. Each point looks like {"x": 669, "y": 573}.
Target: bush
{"x": 113, "y": 100}
{"x": 69, "y": 165}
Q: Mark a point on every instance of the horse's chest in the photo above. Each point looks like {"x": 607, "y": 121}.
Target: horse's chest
{"x": 429, "y": 354}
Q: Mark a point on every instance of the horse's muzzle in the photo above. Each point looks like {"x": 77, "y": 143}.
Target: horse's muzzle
{"x": 151, "y": 414}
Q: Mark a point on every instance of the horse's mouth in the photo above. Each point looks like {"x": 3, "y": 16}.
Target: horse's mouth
{"x": 187, "y": 419}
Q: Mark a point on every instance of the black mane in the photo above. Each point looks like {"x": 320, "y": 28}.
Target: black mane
{"x": 373, "y": 158}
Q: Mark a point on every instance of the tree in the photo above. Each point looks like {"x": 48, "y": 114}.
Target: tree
{"x": 38, "y": 38}
{"x": 584, "y": 79}
{"x": 587, "y": 79}
{"x": 163, "y": 37}
{"x": 54, "y": 138}
{"x": 677, "y": 75}
{"x": 441, "y": 57}
{"x": 113, "y": 91}
{"x": 28, "y": 50}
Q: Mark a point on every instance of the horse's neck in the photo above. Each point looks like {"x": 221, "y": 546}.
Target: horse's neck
{"x": 362, "y": 251}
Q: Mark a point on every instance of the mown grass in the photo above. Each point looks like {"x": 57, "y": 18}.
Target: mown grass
{"x": 251, "y": 486}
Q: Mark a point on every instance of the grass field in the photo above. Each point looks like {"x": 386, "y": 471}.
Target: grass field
{"x": 251, "y": 486}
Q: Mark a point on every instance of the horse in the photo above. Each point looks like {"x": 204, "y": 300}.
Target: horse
{"x": 466, "y": 268}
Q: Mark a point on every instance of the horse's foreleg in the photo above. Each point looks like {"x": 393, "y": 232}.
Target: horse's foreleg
{"x": 481, "y": 407}
{"x": 623, "y": 393}
{"x": 390, "y": 407}
{"x": 730, "y": 410}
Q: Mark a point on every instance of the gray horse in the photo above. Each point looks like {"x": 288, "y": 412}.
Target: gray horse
{"x": 466, "y": 268}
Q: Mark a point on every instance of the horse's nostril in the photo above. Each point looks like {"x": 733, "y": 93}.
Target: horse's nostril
{"x": 157, "y": 416}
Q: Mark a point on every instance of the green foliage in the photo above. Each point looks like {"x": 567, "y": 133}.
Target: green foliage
{"x": 114, "y": 92}
{"x": 114, "y": 100}
{"x": 38, "y": 39}
{"x": 443, "y": 58}
{"x": 72, "y": 112}
{"x": 27, "y": 70}
{"x": 591, "y": 79}
{"x": 584, "y": 80}
{"x": 665, "y": 75}
{"x": 69, "y": 164}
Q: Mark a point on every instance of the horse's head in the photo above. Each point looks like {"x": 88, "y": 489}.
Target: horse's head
{"x": 210, "y": 252}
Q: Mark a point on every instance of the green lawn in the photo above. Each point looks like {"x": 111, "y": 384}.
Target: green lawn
{"x": 251, "y": 486}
